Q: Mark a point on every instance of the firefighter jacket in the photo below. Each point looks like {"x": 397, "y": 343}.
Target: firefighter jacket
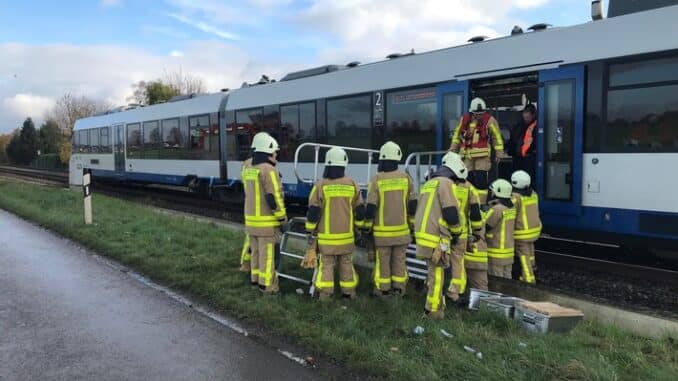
{"x": 476, "y": 137}
{"x": 469, "y": 207}
{"x": 528, "y": 223}
{"x": 390, "y": 200}
{"x": 335, "y": 209}
{"x": 264, "y": 205}
{"x": 437, "y": 219}
{"x": 500, "y": 222}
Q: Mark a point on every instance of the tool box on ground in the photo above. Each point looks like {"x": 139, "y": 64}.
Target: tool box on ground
{"x": 504, "y": 306}
{"x": 543, "y": 317}
{"x": 475, "y": 295}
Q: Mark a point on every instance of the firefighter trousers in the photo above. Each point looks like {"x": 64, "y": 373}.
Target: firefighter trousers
{"x": 477, "y": 279}
{"x": 525, "y": 254}
{"x": 500, "y": 269}
{"x": 263, "y": 262}
{"x": 435, "y": 282}
{"x": 348, "y": 277}
{"x": 246, "y": 255}
{"x": 458, "y": 280}
{"x": 390, "y": 270}
{"x": 479, "y": 168}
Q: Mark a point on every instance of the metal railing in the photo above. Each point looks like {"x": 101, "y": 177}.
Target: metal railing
{"x": 431, "y": 163}
{"x": 316, "y": 161}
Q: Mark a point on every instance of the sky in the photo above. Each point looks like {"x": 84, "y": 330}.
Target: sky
{"x": 99, "y": 48}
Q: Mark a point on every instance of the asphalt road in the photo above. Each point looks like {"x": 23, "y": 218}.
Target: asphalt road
{"x": 66, "y": 316}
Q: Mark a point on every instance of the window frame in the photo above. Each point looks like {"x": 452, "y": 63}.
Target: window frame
{"x": 371, "y": 116}
{"x": 108, "y": 147}
{"x": 141, "y": 143}
{"x": 196, "y": 154}
{"x": 387, "y": 92}
{"x": 162, "y": 133}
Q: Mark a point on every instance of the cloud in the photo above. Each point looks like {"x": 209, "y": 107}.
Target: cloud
{"x": 107, "y": 72}
{"x": 110, "y": 3}
{"x": 164, "y": 31}
{"x": 205, "y": 27}
{"x": 176, "y": 53}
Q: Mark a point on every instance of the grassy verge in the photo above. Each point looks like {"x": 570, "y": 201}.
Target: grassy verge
{"x": 370, "y": 335}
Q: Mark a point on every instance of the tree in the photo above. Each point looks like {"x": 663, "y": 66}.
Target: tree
{"x": 172, "y": 84}
{"x": 50, "y": 137}
{"x": 4, "y": 142}
{"x": 23, "y": 147}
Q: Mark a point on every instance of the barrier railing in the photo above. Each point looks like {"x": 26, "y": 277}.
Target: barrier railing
{"x": 415, "y": 159}
{"x": 316, "y": 161}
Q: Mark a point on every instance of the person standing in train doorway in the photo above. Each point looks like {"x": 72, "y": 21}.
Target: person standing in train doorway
{"x": 474, "y": 138}
{"x": 523, "y": 144}
{"x": 265, "y": 214}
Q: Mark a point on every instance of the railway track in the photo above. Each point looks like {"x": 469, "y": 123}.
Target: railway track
{"x": 49, "y": 177}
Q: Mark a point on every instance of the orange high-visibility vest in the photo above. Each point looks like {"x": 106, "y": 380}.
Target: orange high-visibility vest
{"x": 527, "y": 139}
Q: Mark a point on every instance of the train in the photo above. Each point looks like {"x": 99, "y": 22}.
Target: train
{"x": 606, "y": 93}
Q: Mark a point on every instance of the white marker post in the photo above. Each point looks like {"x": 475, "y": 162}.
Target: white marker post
{"x": 86, "y": 179}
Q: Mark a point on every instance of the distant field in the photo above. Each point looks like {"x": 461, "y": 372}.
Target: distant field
{"x": 370, "y": 335}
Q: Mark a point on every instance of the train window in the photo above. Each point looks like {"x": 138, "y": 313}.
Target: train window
{"x": 134, "y": 143}
{"x": 594, "y": 107}
{"x": 84, "y": 141}
{"x": 411, "y": 119}
{"x": 642, "y": 119}
{"x": 247, "y": 123}
{"x": 94, "y": 140}
{"x": 298, "y": 125}
{"x": 152, "y": 139}
{"x": 104, "y": 141}
{"x": 349, "y": 123}
{"x": 204, "y": 138}
{"x": 647, "y": 71}
{"x": 172, "y": 139}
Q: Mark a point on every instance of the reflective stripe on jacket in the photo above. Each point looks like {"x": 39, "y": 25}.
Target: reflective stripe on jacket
{"x": 528, "y": 223}
{"x": 258, "y": 181}
{"x": 337, "y": 199}
{"x": 430, "y": 229}
{"x": 500, "y": 221}
{"x": 466, "y": 196}
{"x": 473, "y": 139}
{"x": 390, "y": 192}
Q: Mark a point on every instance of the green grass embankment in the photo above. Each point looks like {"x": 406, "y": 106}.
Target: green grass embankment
{"x": 369, "y": 335}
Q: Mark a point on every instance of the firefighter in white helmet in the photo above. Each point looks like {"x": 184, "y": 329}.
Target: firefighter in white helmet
{"x": 246, "y": 252}
{"x": 474, "y": 138}
{"x": 335, "y": 209}
{"x": 391, "y": 204}
{"x": 470, "y": 219}
{"x": 528, "y": 223}
{"x": 437, "y": 228}
{"x": 499, "y": 225}
{"x": 265, "y": 214}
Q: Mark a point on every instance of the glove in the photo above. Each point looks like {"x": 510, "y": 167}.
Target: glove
{"x": 284, "y": 226}
{"x": 455, "y": 239}
{"x": 310, "y": 260}
{"x": 437, "y": 256}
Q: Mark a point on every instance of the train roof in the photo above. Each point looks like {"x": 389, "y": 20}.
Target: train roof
{"x": 635, "y": 33}
{"x": 198, "y": 104}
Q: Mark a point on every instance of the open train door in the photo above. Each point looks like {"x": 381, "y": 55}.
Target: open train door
{"x": 560, "y": 140}
{"x": 452, "y": 104}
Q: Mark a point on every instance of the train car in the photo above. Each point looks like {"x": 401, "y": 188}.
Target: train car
{"x": 607, "y": 99}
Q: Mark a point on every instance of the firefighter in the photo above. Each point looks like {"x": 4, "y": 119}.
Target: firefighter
{"x": 499, "y": 224}
{"x": 391, "y": 204}
{"x": 474, "y": 138}
{"x": 528, "y": 224}
{"x": 437, "y": 227}
{"x": 246, "y": 252}
{"x": 265, "y": 214}
{"x": 335, "y": 209}
{"x": 469, "y": 218}
{"x": 475, "y": 260}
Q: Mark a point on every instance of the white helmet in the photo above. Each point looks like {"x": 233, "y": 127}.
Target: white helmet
{"x": 520, "y": 180}
{"x": 454, "y": 162}
{"x": 390, "y": 151}
{"x": 265, "y": 143}
{"x": 336, "y": 157}
{"x": 501, "y": 188}
{"x": 477, "y": 105}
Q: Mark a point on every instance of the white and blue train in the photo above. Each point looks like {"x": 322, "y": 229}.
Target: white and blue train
{"x": 606, "y": 92}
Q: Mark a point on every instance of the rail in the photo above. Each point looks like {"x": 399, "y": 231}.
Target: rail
{"x": 432, "y": 162}
{"x": 35, "y": 174}
{"x": 316, "y": 161}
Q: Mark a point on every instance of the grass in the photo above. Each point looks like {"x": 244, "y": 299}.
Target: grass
{"x": 370, "y": 335}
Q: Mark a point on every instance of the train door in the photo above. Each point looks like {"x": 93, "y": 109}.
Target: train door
{"x": 119, "y": 148}
{"x": 452, "y": 104}
{"x": 560, "y": 139}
